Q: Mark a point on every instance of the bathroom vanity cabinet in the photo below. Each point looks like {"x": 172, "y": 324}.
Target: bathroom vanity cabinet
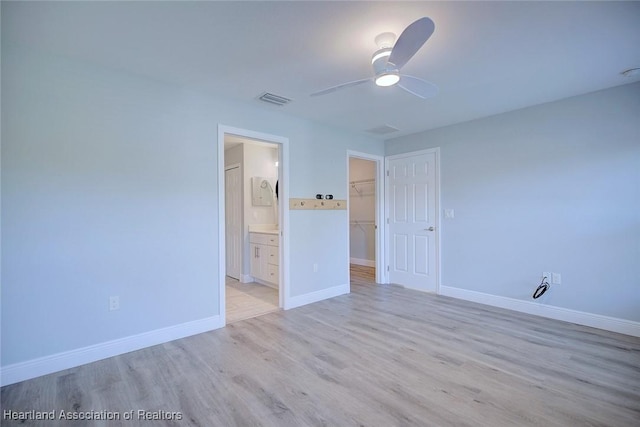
{"x": 265, "y": 257}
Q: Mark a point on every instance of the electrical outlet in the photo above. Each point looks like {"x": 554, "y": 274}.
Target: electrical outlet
{"x": 547, "y": 275}
{"x": 556, "y": 278}
{"x": 114, "y": 303}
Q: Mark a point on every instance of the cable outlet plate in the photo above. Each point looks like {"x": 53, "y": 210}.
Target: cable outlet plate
{"x": 552, "y": 278}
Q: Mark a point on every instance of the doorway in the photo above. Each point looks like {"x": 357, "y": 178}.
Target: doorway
{"x": 252, "y": 183}
{"x": 366, "y": 256}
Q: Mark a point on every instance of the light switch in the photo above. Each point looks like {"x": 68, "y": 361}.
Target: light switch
{"x": 449, "y": 213}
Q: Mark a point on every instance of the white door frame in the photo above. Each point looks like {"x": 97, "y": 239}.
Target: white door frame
{"x": 380, "y": 233}
{"x": 387, "y": 159}
{"x": 283, "y": 212}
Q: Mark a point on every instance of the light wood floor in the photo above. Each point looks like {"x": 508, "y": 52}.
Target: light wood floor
{"x": 380, "y": 356}
{"x": 362, "y": 275}
{"x": 247, "y": 300}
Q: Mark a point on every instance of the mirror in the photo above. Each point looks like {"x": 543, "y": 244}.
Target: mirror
{"x": 261, "y": 191}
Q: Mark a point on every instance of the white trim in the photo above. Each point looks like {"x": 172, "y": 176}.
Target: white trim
{"x": 222, "y": 252}
{"x": 435, "y": 150}
{"x": 57, "y": 362}
{"x": 607, "y": 323}
{"x": 364, "y": 262}
{"x": 316, "y": 296}
{"x": 380, "y": 262}
{"x": 269, "y": 285}
{"x": 283, "y": 211}
{"x": 246, "y": 278}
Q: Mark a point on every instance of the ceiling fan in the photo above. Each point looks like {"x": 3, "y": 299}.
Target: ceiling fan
{"x": 390, "y": 58}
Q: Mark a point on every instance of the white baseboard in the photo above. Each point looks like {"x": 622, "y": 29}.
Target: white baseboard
{"x": 365, "y": 262}
{"x": 312, "y": 297}
{"x": 607, "y": 323}
{"x": 267, "y": 284}
{"x": 57, "y": 362}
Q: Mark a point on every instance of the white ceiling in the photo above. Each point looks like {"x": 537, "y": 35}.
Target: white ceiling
{"x": 486, "y": 57}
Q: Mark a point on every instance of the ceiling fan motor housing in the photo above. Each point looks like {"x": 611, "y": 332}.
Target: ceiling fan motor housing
{"x": 379, "y": 60}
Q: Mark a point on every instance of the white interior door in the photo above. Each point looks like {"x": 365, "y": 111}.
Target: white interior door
{"x": 233, "y": 218}
{"x": 413, "y": 208}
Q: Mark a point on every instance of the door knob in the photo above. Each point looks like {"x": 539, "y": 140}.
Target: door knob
{"x": 429, "y": 229}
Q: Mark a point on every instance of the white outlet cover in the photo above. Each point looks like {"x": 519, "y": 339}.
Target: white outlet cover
{"x": 114, "y": 303}
{"x": 557, "y": 278}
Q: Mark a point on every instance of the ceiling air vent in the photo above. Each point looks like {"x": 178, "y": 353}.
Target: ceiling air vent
{"x": 274, "y": 99}
{"x": 382, "y": 130}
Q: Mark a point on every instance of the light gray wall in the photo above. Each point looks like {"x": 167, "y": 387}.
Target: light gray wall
{"x": 109, "y": 187}
{"x": 554, "y": 187}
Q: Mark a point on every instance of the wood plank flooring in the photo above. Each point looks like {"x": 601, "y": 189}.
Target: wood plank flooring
{"x": 247, "y": 300}
{"x": 362, "y": 275}
{"x": 380, "y": 356}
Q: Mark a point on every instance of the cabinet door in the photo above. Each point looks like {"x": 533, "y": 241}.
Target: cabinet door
{"x": 261, "y": 266}
{"x": 254, "y": 263}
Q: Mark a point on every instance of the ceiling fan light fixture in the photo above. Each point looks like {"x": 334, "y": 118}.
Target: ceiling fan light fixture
{"x": 387, "y": 79}
{"x": 392, "y": 55}
{"x": 383, "y": 53}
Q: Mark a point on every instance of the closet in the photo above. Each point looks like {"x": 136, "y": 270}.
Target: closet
{"x": 362, "y": 212}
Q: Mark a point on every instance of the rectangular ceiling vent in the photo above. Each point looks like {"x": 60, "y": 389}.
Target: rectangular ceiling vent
{"x": 274, "y": 99}
{"x": 383, "y": 130}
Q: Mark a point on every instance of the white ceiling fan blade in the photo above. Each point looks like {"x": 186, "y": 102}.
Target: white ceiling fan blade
{"x": 342, "y": 86}
{"x": 410, "y": 41}
{"x": 418, "y": 87}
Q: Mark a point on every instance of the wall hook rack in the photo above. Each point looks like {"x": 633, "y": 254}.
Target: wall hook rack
{"x": 317, "y": 204}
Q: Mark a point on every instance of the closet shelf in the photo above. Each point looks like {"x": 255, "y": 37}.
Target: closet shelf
{"x": 363, "y": 181}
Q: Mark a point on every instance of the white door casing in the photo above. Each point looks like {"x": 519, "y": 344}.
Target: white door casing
{"x": 380, "y": 238}
{"x": 284, "y": 292}
{"x": 413, "y": 206}
{"x": 233, "y": 218}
